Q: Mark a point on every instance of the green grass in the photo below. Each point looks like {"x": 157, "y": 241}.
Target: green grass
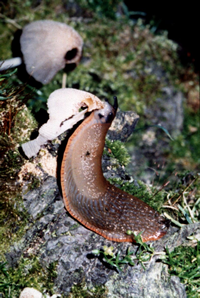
{"x": 184, "y": 262}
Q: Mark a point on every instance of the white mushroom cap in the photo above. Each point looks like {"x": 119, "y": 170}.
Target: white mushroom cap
{"x": 63, "y": 108}
{"x": 47, "y": 46}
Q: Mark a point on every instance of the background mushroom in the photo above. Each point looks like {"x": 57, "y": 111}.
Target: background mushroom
{"x": 47, "y": 46}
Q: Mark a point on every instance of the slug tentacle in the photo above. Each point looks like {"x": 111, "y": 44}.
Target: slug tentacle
{"x": 90, "y": 198}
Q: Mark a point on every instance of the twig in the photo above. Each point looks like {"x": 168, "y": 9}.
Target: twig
{"x": 10, "y": 21}
{"x": 163, "y": 186}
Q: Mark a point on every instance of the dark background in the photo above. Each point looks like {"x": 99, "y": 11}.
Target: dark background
{"x": 180, "y": 19}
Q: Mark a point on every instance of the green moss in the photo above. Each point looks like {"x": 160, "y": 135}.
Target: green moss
{"x": 74, "y": 227}
{"x": 17, "y": 121}
{"x": 81, "y": 291}
{"x": 16, "y": 126}
{"x": 117, "y": 150}
{"x": 106, "y": 8}
{"x": 28, "y": 273}
{"x": 34, "y": 181}
{"x": 13, "y": 220}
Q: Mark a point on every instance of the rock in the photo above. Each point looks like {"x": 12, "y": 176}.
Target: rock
{"x": 60, "y": 238}
{"x": 123, "y": 125}
{"x": 30, "y": 293}
{"x": 167, "y": 111}
{"x": 152, "y": 282}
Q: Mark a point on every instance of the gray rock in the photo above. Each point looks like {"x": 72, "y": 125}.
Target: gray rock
{"x": 55, "y": 236}
{"x": 152, "y": 282}
{"x": 167, "y": 111}
{"x": 123, "y": 125}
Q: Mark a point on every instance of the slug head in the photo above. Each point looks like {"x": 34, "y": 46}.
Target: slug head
{"x": 107, "y": 114}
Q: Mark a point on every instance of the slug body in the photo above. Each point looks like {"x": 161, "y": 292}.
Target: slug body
{"x": 91, "y": 199}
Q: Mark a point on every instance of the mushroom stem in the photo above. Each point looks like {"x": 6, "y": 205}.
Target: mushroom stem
{"x": 64, "y": 80}
{"x": 10, "y": 63}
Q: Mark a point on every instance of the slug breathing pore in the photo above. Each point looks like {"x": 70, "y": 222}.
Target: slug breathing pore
{"x": 91, "y": 199}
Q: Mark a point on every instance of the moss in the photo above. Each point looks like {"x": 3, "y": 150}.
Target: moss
{"x": 13, "y": 222}
{"x": 17, "y": 121}
{"x": 16, "y": 126}
{"x": 28, "y": 273}
{"x": 107, "y": 8}
{"x": 81, "y": 291}
{"x": 34, "y": 181}
{"x": 74, "y": 227}
{"x": 117, "y": 150}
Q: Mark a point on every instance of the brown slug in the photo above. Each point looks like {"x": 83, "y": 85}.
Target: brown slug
{"x": 91, "y": 199}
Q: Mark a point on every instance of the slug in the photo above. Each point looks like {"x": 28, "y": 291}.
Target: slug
{"x": 91, "y": 199}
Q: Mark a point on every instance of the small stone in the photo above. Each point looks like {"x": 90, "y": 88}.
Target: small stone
{"x": 30, "y": 293}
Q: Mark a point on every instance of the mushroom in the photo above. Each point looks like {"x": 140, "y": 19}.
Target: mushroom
{"x": 64, "y": 112}
{"x": 47, "y": 46}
